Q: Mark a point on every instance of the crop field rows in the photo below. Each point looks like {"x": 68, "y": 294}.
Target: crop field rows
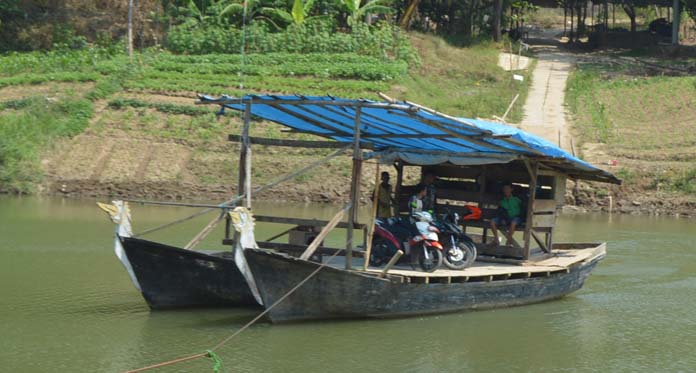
{"x": 646, "y": 123}
{"x": 347, "y": 75}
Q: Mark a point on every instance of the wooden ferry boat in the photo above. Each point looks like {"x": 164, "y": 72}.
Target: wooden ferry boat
{"x": 335, "y": 292}
{"x": 302, "y": 279}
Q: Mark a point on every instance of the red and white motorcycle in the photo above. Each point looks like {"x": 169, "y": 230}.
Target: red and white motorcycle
{"x": 418, "y": 241}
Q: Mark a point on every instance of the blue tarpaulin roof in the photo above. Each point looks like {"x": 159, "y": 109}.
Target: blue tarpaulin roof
{"x": 406, "y": 131}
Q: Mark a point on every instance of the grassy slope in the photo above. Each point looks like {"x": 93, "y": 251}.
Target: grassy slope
{"x": 461, "y": 81}
{"x": 146, "y": 130}
{"x": 645, "y": 123}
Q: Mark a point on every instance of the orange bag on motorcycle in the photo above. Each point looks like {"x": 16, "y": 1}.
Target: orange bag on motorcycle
{"x": 474, "y": 213}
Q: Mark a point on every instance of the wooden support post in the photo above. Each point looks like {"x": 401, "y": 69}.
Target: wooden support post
{"x": 242, "y": 156}
{"x": 371, "y": 229}
{"x": 354, "y": 189}
{"x": 324, "y": 232}
{"x": 482, "y": 192}
{"x": 391, "y": 263}
{"x": 397, "y": 189}
{"x": 228, "y": 225}
{"x": 247, "y": 158}
{"x": 244, "y": 164}
{"x": 533, "y": 168}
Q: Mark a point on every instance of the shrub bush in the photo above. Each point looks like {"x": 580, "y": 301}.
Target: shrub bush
{"x": 382, "y": 40}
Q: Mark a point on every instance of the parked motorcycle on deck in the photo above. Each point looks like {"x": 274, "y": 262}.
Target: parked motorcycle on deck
{"x": 459, "y": 249}
{"x": 418, "y": 241}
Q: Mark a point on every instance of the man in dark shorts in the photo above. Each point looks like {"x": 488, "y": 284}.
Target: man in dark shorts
{"x": 509, "y": 213}
{"x": 430, "y": 199}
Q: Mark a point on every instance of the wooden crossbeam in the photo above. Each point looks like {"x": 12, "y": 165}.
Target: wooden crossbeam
{"x": 279, "y": 102}
{"x": 305, "y": 222}
{"x": 290, "y": 143}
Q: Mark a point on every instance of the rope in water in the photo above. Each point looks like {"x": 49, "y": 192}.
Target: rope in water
{"x": 211, "y": 353}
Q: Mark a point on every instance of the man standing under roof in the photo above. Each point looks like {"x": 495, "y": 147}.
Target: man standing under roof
{"x": 430, "y": 198}
{"x": 384, "y": 198}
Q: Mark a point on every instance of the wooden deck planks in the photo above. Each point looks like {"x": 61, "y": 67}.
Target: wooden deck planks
{"x": 560, "y": 262}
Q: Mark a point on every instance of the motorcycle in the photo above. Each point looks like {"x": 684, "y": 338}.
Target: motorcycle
{"x": 459, "y": 249}
{"x": 418, "y": 241}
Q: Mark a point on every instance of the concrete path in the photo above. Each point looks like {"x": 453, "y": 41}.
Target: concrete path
{"x": 544, "y": 112}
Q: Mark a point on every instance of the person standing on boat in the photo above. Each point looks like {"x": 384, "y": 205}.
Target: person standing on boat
{"x": 509, "y": 214}
{"x": 384, "y": 198}
{"x": 430, "y": 198}
{"x": 415, "y": 204}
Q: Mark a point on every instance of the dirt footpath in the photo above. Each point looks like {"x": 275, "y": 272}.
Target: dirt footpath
{"x": 544, "y": 112}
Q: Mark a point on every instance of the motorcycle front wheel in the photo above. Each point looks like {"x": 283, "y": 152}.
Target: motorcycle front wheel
{"x": 434, "y": 260}
{"x": 460, "y": 256}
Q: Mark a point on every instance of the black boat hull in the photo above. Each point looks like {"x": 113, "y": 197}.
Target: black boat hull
{"x": 337, "y": 293}
{"x": 171, "y": 277}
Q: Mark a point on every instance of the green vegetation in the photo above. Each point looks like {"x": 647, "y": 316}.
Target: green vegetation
{"x": 141, "y": 97}
{"x": 462, "y": 81}
{"x": 645, "y": 122}
{"x": 382, "y": 40}
{"x": 24, "y": 134}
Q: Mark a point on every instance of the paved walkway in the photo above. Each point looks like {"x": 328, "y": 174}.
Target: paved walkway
{"x": 544, "y": 112}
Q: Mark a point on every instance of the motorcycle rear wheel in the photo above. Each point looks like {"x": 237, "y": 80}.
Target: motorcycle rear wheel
{"x": 435, "y": 261}
{"x": 460, "y": 256}
{"x": 382, "y": 251}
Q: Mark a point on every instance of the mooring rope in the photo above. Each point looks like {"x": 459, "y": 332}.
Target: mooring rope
{"x": 257, "y": 190}
{"x": 211, "y": 352}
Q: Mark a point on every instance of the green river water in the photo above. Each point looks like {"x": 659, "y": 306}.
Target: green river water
{"x": 66, "y": 304}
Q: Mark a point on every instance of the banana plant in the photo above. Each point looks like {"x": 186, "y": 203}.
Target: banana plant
{"x": 357, "y": 9}
{"x": 299, "y": 13}
{"x": 254, "y": 11}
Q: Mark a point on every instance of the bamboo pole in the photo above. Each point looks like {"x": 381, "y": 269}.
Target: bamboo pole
{"x": 371, "y": 230}
{"x": 324, "y": 232}
{"x": 510, "y": 107}
{"x": 283, "y": 233}
{"x": 391, "y": 263}
{"x": 204, "y": 232}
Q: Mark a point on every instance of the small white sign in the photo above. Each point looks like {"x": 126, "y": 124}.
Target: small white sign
{"x": 518, "y": 77}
